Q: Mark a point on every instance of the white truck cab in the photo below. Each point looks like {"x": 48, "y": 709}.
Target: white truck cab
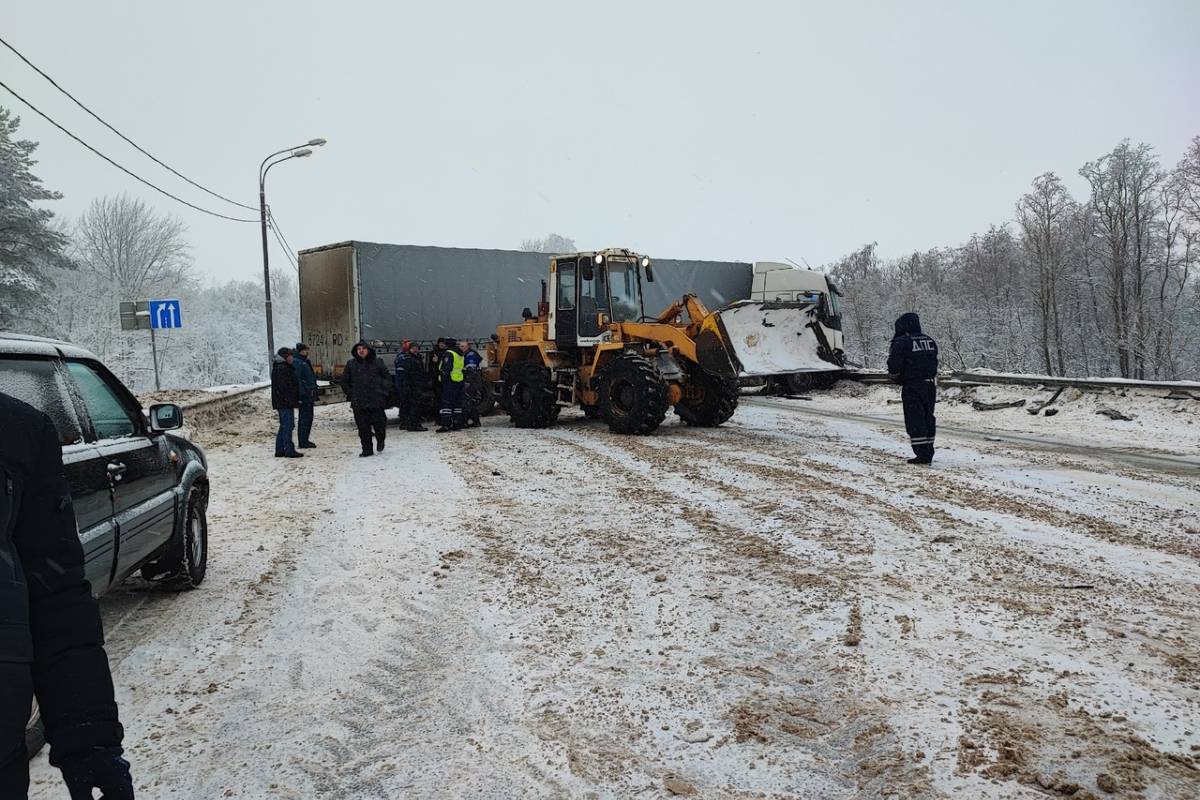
{"x": 774, "y": 281}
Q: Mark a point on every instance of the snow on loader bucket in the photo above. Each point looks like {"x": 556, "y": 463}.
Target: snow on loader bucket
{"x": 771, "y": 338}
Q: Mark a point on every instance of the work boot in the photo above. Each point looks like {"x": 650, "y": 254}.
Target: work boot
{"x": 365, "y": 453}
{"x": 417, "y": 428}
{"x": 307, "y": 444}
{"x": 920, "y": 460}
{"x": 293, "y": 455}
{"x": 443, "y": 429}
{"x": 379, "y": 445}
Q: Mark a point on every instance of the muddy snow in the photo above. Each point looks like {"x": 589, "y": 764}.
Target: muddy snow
{"x": 778, "y": 608}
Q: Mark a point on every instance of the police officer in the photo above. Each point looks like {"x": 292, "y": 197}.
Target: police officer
{"x": 51, "y": 641}
{"x": 452, "y": 364}
{"x": 913, "y": 363}
{"x": 410, "y": 379}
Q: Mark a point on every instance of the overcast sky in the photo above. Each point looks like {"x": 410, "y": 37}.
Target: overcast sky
{"x": 723, "y": 130}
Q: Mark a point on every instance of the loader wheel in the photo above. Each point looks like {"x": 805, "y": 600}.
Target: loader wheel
{"x": 529, "y": 395}
{"x": 708, "y": 401}
{"x": 633, "y": 396}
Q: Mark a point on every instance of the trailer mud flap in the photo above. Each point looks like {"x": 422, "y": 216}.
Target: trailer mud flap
{"x": 774, "y": 338}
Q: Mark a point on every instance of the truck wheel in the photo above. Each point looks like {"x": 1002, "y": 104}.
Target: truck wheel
{"x": 708, "y": 401}
{"x": 529, "y": 395}
{"x": 800, "y": 382}
{"x": 633, "y": 396}
{"x": 35, "y": 731}
{"x": 186, "y": 563}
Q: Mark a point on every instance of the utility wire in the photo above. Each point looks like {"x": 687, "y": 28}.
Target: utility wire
{"x": 279, "y": 237}
{"x": 132, "y": 143}
{"x": 133, "y": 175}
{"x": 275, "y": 222}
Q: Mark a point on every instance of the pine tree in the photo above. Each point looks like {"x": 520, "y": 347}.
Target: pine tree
{"x": 29, "y": 243}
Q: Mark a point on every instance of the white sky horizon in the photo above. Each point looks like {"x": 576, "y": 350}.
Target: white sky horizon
{"x": 758, "y": 131}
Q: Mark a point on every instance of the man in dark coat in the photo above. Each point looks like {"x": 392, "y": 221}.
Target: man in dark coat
{"x": 913, "y": 363}
{"x": 285, "y": 396}
{"x": 472, "y": 386}
{"x": 51, "y": 640}
{"x": 410, "y": 389}
{"x": 367, "y": 383}
{"x": 308, "y": 393}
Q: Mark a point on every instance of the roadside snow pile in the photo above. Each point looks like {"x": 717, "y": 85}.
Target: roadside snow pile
{"x": 1154, "y": 423}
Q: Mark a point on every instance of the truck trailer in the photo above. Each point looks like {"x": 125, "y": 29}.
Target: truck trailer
{"x": 386, "y": 293}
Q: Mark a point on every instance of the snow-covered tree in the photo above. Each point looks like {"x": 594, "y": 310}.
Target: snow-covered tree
{"x": 551, "y": 244}
{"x": 30, "y": 243}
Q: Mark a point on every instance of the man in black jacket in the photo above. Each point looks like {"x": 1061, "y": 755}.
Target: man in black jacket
{"x": 367, "y": 382}
{"x": 285, "y": 396}
{"x": 51, "y": 641}
{"x": 410, "y": 386}
{"x": 913, "y": 363}
{"x": 308, "y": 394}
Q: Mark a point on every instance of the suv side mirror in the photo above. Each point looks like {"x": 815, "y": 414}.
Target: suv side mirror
{"x": 165, "y": 417}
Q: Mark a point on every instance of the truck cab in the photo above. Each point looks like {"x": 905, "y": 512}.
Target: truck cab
{"x": 774, "y": 281}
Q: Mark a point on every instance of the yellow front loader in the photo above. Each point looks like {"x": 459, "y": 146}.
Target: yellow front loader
{"x": 591, "y": 344}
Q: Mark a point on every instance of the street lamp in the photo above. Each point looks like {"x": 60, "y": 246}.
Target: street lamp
{"x": 298, "y": 151}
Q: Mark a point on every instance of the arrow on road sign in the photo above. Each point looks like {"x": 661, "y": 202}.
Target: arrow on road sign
{"x": 166, "y": 314}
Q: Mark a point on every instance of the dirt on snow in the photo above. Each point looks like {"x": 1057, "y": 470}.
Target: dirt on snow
{"x": 778, "y": 608}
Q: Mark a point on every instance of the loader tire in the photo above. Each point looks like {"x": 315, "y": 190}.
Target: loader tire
{"x": 708, "y": 401}
{"x": 529, "y": 395}
{"x": 633, "y": 396}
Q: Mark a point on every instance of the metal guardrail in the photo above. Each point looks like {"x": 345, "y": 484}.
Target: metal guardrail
{"x": 1092, "y": 384}
{"x": 208, "y": 404}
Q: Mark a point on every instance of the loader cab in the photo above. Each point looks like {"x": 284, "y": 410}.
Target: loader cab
{"x": 590, "y": 290}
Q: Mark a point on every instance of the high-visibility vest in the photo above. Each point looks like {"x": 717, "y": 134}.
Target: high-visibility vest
{"x": 456, "y": 369}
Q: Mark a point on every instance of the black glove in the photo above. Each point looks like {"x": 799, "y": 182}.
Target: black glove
{"x": 100, "y": 768}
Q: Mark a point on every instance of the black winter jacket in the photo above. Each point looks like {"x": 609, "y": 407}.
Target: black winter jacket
{"x": 366, "y": 381}
{"x": 913, "y": 355}
{"x": 285, "y": 386}
{"x": 47, "y": 613}
{"x": 306, "y": 377}
{"x": 410, "y": 375}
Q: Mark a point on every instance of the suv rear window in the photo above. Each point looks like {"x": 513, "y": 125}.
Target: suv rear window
{"x": 38, "y": 382}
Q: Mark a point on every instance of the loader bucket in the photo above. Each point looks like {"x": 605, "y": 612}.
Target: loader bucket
{"x": 774, "y": 338}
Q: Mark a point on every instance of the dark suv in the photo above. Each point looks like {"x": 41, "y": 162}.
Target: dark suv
{"x": 140, "y": 493}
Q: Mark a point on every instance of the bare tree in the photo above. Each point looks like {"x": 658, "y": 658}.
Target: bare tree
{"x": 1125, "y": 195}
{"x": 131, "y": 249}
{"x": 551, "y": 244}
{"x": 1042, "y": 214}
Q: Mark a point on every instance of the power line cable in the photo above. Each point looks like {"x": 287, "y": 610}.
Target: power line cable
{"x": 275, "y": 222}
{"x": 131, "y": 174}
{"x": 132, "y": 143}
{"x": 287, "y": 250}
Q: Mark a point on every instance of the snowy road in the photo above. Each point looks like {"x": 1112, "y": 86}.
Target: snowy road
{"x": 776, "y": 608}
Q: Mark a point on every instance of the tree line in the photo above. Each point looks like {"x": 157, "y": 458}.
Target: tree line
{"x": 1101, "y": 285}
{"x": 65, "y": 279}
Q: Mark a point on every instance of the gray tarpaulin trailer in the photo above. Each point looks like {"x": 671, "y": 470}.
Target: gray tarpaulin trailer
{"x": 386, "y": 293}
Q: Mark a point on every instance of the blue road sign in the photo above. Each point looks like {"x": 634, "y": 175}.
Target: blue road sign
{"x": 166, "y": 314}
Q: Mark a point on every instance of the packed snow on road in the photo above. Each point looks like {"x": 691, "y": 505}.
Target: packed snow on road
{"x": 777, "y": 608}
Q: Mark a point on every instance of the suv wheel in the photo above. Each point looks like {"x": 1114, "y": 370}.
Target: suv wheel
{"x": 187, "y": 560}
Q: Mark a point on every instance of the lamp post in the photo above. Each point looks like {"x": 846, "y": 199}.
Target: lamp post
{"x": 299, "y": 151}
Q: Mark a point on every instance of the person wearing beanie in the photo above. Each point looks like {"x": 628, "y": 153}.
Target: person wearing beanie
{"x": 367, "y": 384}
{"x": 285, "y": 397}
{"x": 308, "y": 393}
